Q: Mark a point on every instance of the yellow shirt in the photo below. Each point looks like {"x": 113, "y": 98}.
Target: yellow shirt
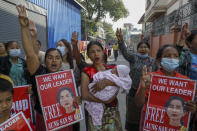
{"x": 115, "y": 47}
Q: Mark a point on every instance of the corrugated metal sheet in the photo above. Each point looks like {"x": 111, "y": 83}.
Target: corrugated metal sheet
{"x": 63, "y": 17}
{"x": 41, "y": 3}
{"x": 10, "y": 28}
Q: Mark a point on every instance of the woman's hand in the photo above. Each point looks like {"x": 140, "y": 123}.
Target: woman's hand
{"x": 111, "y": 99}
{"x": 185, "y": 32}
{"x": 145, "y": 79}
{"x": 74, "y": 39}
{"x": 99, "y": 86}
{"x": 29, "y": 90}
{"x": 23, "y": 20}
{"x": 32, "y": 29}
{"x": 78, "y": 100}
{"x": 119, "y": 35}
{"x": 191, "y": 106}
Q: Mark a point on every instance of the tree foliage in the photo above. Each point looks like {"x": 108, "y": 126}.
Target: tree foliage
{"x": 109, "y": 32}
{"x": 96, "y": 10}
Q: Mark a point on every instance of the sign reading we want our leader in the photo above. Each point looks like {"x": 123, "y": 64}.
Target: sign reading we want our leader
{"x": 57, "y": 92}
{"x": 166, "y": 104}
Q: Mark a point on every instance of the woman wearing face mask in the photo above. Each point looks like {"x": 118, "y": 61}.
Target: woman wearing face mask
{"x": 14, "y": 66}
{"x": 67, "y": 59}
{"x": 168, "y": 57}
{"x": 136, "y": 61}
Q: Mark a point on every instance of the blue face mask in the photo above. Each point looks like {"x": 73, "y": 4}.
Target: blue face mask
{"x": 62, "y": 50}
{"x": 169, "y": 64}
{"x": 142, "y": 56}
{"x": 14, "y": 52}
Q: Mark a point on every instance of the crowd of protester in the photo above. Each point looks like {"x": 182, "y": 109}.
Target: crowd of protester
{"x": 178, "y": 60}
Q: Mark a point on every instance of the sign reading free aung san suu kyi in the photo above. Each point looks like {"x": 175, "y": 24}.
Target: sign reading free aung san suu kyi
{"x": 166, "y": 109}
{"x": 57, "y": 92}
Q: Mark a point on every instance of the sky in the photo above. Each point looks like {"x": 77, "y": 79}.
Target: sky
{"x": 136, "y": 9}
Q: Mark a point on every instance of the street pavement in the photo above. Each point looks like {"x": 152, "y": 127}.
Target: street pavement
{"x": 121, "y": 97}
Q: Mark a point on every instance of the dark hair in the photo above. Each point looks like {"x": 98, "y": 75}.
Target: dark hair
{"x": 49, "y": 50}
{"x": 105, "y": 58}
{"x": 39, "y": 42}
{"x": 91, "y": 43}
{"x": 69, "y": 53}
{"x": 190, "y": 38}
{"x": 8, "y": 44}
{"x": 82, "y": 57}
{"x": 4, "y": 44}
{"x": 161, "y": 50}
{"x": 63, "y": 89}
{"x": 6, "y": 86}
{"x": 175, "y": 98}
{"x": 143, "y": 42}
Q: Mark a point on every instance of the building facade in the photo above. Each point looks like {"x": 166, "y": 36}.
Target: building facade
{"x": 163, "y": 20}
{"x": 63, "y": 18}
{"x": 10, "y": 27}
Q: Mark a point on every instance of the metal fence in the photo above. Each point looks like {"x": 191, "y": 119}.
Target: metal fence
{"x": 163, "y": 25}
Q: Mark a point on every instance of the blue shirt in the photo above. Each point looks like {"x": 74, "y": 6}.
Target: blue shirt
{"x": 193, "y": 68}
{"x": 17, "y": 73}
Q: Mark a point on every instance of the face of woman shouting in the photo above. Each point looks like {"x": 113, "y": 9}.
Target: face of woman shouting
{"x": 96, "y": 53}
{"x": 53, "y": 60}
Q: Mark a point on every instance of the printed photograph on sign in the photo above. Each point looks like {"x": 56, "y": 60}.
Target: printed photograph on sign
{"x": 57, "y": 92}
{"x": 166, "y": 104}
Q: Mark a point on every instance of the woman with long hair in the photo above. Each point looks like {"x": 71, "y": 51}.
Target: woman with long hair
{"x": 111, "y": 116}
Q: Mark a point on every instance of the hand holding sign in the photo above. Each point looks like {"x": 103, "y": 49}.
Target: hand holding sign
{"x": 191, "y": 106}
{"x": 145, "y": 79}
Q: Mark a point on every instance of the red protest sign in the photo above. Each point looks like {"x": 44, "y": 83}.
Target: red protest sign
{"x": 57, "y": 92}
{"x": 16, "y": 123}
{"x": 22, "y": 101}
{"x": 165, "y": 108}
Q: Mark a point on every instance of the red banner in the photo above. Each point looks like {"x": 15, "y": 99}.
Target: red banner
{"x": 22, "y": 101}
{"x": 16, "y": 123}
{"x": 165, "y": 108}
{"x": 57, "y": 92}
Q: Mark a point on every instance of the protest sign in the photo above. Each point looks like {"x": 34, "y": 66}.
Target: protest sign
{"x": 165, "y": 107}
{"x": 22, "y": 101}
{"x": 16, "y": 123}
{"x": 56, "y": 92}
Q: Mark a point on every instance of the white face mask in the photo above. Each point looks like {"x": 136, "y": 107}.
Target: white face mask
{"x": 14, "y": 52}
{"x": 169, "y": 64}
{"x": 62, "y": 50}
